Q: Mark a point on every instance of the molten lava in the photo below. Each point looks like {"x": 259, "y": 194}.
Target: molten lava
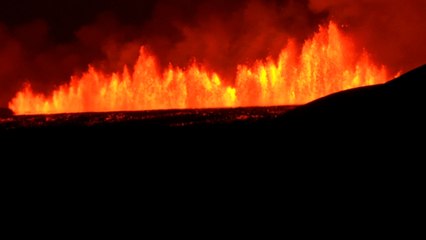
{"x": 327, "y": 63}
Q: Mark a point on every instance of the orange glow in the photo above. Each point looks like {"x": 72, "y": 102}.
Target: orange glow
{"x": 327, "y": 63}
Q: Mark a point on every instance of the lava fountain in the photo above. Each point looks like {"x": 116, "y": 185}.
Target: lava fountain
{"x": 326, "y": 63}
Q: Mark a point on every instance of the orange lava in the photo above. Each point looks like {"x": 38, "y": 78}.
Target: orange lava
{"x": 327, "y": 63}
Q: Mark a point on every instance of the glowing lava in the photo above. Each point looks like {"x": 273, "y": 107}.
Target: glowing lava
{"x": 327, "y": 63}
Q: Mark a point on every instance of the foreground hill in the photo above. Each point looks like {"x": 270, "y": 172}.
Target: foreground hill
{"x": 397, "y": 106}
{"x": 362, "y": 142}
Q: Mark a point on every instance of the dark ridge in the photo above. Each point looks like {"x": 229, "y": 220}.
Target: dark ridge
{"x": 5, "y": 112}
{"x": 395, "y": 107}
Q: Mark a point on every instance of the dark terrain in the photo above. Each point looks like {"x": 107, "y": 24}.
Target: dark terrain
{"x": 141, "y": 121}
{"x": 357, "y": 152}
{"x": 396, "y": 106}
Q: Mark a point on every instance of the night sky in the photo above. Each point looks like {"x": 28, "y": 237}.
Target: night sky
{"x": 46, "y": 41}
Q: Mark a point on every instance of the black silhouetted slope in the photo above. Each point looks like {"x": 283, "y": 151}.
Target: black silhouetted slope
{"x": 326, "y": 147}
{"x": 5, "y": 112}
{"x": 395, "y": 107}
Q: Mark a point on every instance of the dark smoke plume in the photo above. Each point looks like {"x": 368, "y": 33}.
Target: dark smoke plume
{"x": 393, "y": 31}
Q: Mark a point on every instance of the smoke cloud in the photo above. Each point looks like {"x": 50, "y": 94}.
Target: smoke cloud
{"x": 393, "y": 31}
{"x": 45, "y": 42}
